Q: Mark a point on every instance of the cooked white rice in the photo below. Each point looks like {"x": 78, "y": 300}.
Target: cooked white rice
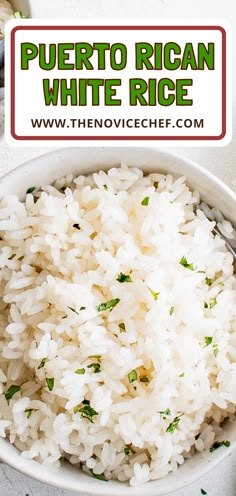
{"x": 158, "y": 372}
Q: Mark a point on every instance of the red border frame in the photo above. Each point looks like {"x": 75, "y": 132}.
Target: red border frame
{"x": 116, "y": 138}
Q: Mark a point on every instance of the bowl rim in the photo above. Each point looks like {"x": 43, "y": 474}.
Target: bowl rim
{"x": 159, "y": 150}
{"x": 36, "y": 470}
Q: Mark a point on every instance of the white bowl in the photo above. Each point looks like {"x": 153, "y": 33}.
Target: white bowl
{"x": 44, "y": 170}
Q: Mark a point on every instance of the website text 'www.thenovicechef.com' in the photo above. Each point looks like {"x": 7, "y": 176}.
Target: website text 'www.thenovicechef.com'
{"x": 116, "y": 123}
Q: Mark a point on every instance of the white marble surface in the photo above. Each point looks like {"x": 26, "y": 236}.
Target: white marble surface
{"x": 221, "y": 161}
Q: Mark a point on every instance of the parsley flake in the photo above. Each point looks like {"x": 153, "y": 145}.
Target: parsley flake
{"x": 50, "y": 383}
{"x": 96, "y": 367}
{"x": 123, "y": 278}
{"x": 145, "y": 201}
{"x": 122, "y": 326}
{"x": 165, "y": 412}
{"x": 13, "y": 389}
{"x": 19, "y": 15}
{"x": 171, "y": 311}
{"x": 186, "y": 264}
{"x": 42, "y": 363}
{"x": 181, "y": 375}
{"x": 98, "y": 357}
{"x": 205, "y": 305}
{"x": 32, "y": 188}
{"x": 144, "y": 379}
{"x": 208, "y": 281}
{"x": 105, "y": 187}
{"x": 12, "y": 256}
{"x": 77, "y": 226}
{"x": 80, "y": 371}
{"x": 208, "y": 340}
{"x": 203, "y": 492}
{"x": 154, "y": 294}
{"x": 28, "y": 412}
{"x": 132, "y": 376}
{"x": 127, "y": 450}
{"x": 215, "y": 350}
{"x": 110, "y": 304}
{"x": 99, "y": 476}
{"x": 218, "y": 444}
{"x": 213, "y": 302}
{"x": 174, "y": 425}
{"x": 88, "y": 413}
{"x": 73, "y": 310}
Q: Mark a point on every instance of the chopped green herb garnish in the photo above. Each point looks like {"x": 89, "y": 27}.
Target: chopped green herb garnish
{"x": 185, "y": 263}
{"x": 73, "y": 310}
{"x": 31, "y": 190}
{"x": 42, "y": 363}
{"x": 108, "y": 305}
{"x": 144, "y": 379}
{"x": 154, "y": 294}
{"x": 99, "y": 476}
{"x": 123, "y": 278}
{"x": 218, "y": 444}
{"x": 80, "y": 371}
{"x": 11, "y": 391}
{"x": 12, "y": 256}
{"x": 208, "y": 340}
{"x": 77, "y": 226}
{"x": 174, "y": 425}
{"x": 205, "y": 305}
{"x": 98, "y": 357}
{"x": 105, "y": 187}
{"x": 29, "y": 412}
{"x": 88, "y": 413}
{"x": 50, "y": 383}
{"x": 181, "y": 375}
{"x": 127, "y": 451}
{"x": 82, "y": 308}
{"x": 132, "y": 376}
{"x": 122, "y": 326}
{"x": 215, "y": 350}
{"x": 208, "y": 281}
{"x": 203, "y": 492}
{"x": 19, "y": 15}
{"x": 165, "y": 412}
{"x": 221, "y": 283}
{"x": 171, "y": 311}
{"x": 96, "y": 367}
{"x": 213, "y": 302}
{"x": 145, "y": 201}
{"x": 201, "y": 271}
{"x": 76, "y": 409}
